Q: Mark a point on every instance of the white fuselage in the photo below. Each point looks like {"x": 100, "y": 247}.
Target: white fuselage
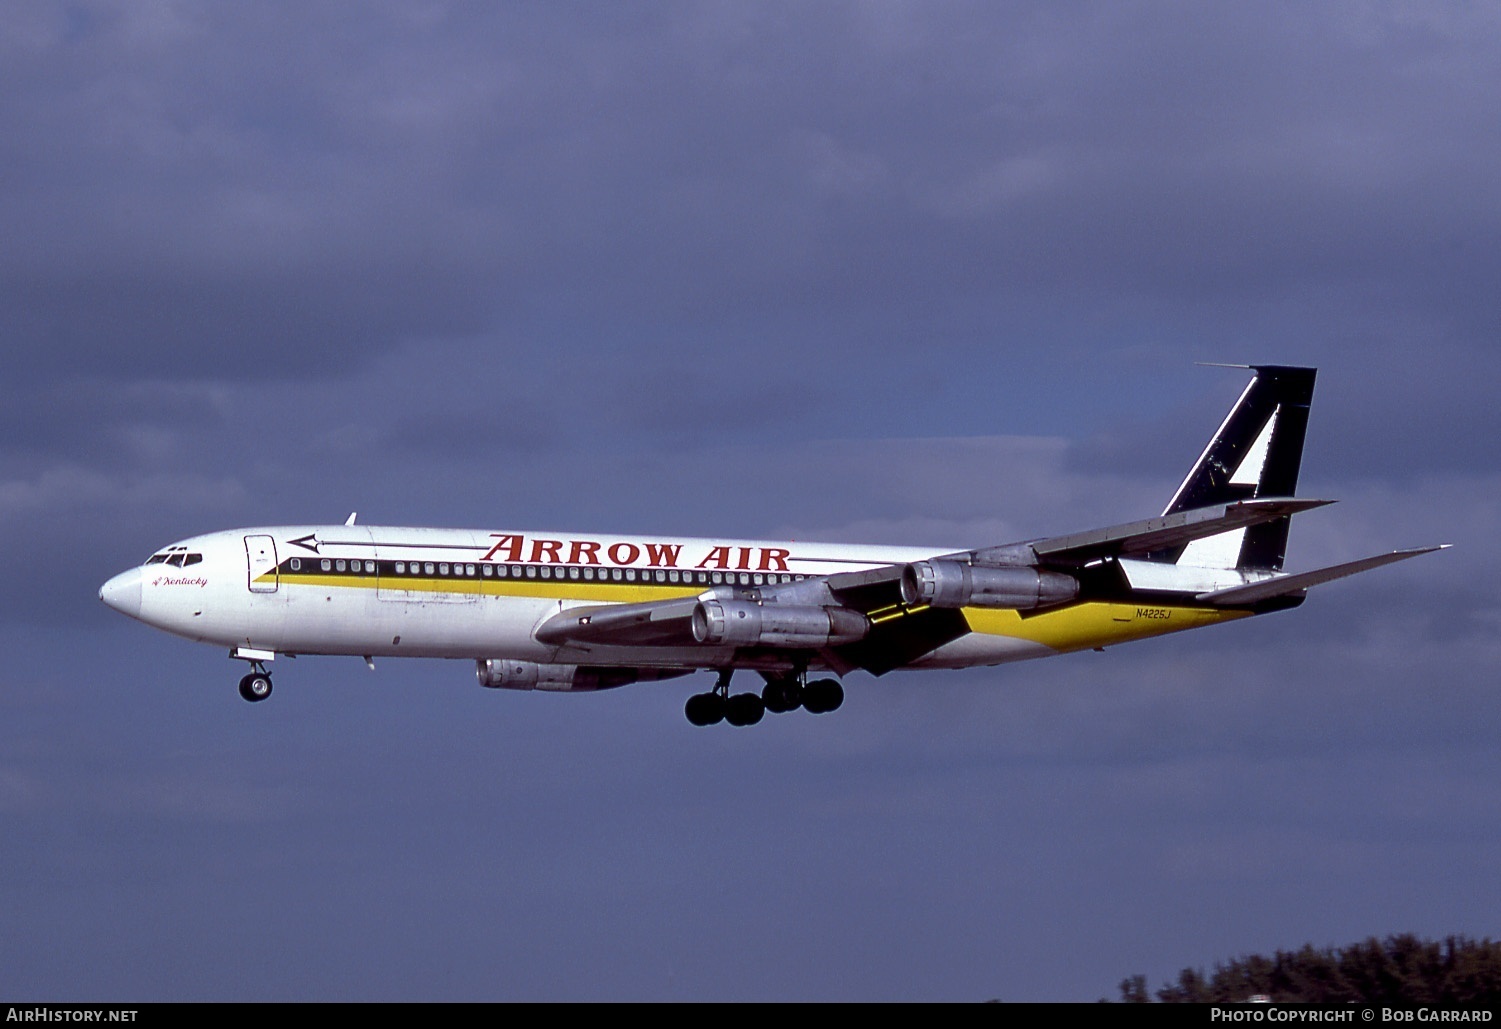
{"x": 452, "y": 593}
{"x": 378, "y": 591}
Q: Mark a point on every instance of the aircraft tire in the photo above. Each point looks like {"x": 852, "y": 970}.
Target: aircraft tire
{"x": 823, "y": 695}
{"x": 744, "y": 709}
{"x": 255, "y": 687}
{"x": 782, "y": 695}
{"x": 704, "y": 708}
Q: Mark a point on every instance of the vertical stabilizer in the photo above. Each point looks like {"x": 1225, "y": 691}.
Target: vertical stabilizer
{"x": 1255, "y": 453}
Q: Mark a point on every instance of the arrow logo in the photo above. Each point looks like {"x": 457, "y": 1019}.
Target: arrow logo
{"x": 302, "y": 541}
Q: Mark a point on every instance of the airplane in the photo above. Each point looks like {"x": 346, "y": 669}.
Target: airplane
{"x": 576, "y": 613}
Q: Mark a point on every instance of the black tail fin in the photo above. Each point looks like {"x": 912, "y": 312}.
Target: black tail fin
{"x": 1255, "y": 453}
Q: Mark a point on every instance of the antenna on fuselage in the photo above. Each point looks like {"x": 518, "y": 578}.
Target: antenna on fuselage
{"x": 350, "y": 519}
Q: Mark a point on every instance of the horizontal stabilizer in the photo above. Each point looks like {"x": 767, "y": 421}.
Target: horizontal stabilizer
{"x": 1150, "y": 534}
{"x": 1285, "y": 584}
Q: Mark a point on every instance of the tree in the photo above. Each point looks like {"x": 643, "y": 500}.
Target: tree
{"x": 1401, "y": 969}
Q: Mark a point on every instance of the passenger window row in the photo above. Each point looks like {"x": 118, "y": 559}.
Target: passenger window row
{"x": 571, "y": 573}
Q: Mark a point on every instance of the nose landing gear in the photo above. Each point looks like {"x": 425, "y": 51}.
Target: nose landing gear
{"x": 256, "y": 686}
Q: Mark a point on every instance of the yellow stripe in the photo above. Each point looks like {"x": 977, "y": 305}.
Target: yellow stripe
{"x": 615, "y": 592}
{"x": 1095, "y": 624}
{"x": 886, "y": 614}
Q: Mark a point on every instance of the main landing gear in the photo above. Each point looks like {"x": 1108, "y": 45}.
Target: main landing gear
{"x": 782, "y": 693}
{"x": 256, "y": 686}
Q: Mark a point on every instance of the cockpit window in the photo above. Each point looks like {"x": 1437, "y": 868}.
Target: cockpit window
{"x": 178, "y": 557}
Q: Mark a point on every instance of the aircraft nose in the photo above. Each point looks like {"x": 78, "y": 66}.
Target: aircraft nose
{"x": 123, "y": 593}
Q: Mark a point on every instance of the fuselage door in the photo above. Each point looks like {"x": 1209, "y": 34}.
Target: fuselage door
{"x": 260, "y": 560}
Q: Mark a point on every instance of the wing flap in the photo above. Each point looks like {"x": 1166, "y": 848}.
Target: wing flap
{"x": 899, "y": 641}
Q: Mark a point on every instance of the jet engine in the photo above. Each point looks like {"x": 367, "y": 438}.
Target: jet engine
{"x": 744, "y": 623}
{"x": 530, "y": 675}
{"x": 956, "y": 584}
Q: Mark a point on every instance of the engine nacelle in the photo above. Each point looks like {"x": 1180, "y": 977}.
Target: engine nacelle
{"x": 956, "y": 584}
{"x": 530, "y": 675}
{"x": 744, "y": 623}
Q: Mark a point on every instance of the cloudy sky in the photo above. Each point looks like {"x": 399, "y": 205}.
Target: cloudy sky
{"x": 880, "y": 272}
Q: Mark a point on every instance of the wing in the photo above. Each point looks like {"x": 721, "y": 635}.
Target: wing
{"x": 1137, "y": 539}
{"x": 865, "y": 619}
{"x": 658, "y": 623}
{"x": 885, "y": 617}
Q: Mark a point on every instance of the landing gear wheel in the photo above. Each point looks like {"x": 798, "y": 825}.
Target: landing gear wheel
{"x": 782, "y": 695}
{"x": 744, "y": 709}
{"x": 255, "y": 687}
{"x": 823, "y": 695}
{"x": 704, "y": 708}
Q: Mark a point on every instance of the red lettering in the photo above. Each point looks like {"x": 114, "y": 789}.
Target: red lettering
{"x": 744, "y": 557}
{"x": 774, "y": 559}
{"x": 663, "y": 555}
{"x": 624, "y": 553}
{"x": 583, "y": 552}
{"x": 719, "y": 557}
{"x": 510, "y": 543}
{"x": 548, "y": 549}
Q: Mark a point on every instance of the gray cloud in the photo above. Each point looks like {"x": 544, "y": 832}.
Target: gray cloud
{"x": 884, "y": 272}
{"x": 212, "y": 192}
